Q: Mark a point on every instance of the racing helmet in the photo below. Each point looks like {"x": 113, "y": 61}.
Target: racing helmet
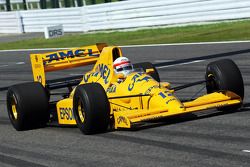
{"x": 123, "y": 66}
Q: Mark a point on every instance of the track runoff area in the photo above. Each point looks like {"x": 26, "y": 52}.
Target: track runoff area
{"x": 203, "y": 139}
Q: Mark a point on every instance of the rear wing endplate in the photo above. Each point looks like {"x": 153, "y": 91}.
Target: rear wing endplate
{"x": 64, "y": 59}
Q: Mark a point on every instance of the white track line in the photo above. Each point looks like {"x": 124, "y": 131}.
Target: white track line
{"x": 12, "y": 64}
{"x": 129, "y": 46}
{"x": 246, "y": 151}
{"x": 191, "y": 62}
{"x": 160, "y": 61}
{"x": 39, "y": 49}
{"x": 18, "y": 63}
{"x": 194, "y": 43}
{"x": 5, "y": 65}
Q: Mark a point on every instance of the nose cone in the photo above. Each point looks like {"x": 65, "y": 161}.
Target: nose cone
{"x": 167, "y": 100}
{"x": 174, "y": 105}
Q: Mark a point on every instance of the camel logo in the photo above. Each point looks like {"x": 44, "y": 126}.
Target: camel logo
{"x": 122, "y": 119}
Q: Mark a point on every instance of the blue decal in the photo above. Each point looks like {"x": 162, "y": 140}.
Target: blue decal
{"x": 95, "y": 74}
{"x": 52, "y": 57}
{"x": 131, "y": 86}
{"x": 86, "y": 77}
{"x": 144, "y": 79}
{"x": 105, "y": 72}
{"x": 111, "y": 89}
{"x": 162, "y": 95}
{"x": 65, "y": 55}
{"x": 80, "y": 52}
{"x": 135, "y": 79}
{"x": 91, "y": 53}
{"x": 70, "y": 54}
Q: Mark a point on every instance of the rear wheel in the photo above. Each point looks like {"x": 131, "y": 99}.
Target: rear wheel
{"x": 148, "y": 65}
{"x": 91, "y": 108}
{"x": 28, "y": 106}
{"x": 224, "y": 75}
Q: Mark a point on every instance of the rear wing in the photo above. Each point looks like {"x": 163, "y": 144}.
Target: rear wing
{"x": 64, "y": 59}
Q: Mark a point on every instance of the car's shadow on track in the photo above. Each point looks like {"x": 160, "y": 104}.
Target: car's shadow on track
{"x": 186, "y": 117}
{"x": 157, "y": 123}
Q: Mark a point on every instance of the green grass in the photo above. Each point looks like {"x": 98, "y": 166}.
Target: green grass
{"x": 226, "y": 31}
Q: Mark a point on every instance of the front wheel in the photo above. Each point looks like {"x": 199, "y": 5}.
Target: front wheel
{"x": 224, "y": 75}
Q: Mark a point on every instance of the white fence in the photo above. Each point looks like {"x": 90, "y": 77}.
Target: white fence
{"x": 10, "y": 22}
{"x": 70, "y": 18}
{"x": 129, "y": 14}
{"x": 31, "y": 4}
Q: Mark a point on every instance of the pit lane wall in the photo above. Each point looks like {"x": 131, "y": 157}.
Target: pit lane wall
{"x": 125, "y": 15}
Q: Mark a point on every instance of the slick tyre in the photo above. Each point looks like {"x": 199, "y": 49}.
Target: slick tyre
{"x": 224, "y": 75}
{"x": 91, "y": 108}
{"x": 28, "y": 106}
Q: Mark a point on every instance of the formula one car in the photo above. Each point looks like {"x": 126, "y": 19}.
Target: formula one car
{"x": 102, "y": 98}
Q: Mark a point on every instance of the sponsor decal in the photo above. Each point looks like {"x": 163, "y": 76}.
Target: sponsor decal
{"x": 151, "y": 88}
{"x": 164, "y": 95}
{"x": 122, "y": 119}
{"x": 136, "y": 78}
{"x": 87, "y": 76}
{"x": 36, "y": 58}
{"x": 39, "y": 78}
{"x": 102, "y": 70}
{"x": 38, "y": 66}
{"x": 105, "y": 72}
{"x": 70, "y": 54}
{"x": 118, "y": 108}
{"x": 173, "y": 99}
{"x": 66, "y": 113}
{"x": 218, "y": 106}
{"x": 111, "y": 89}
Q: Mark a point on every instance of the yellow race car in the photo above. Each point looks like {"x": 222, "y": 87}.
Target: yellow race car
{"x": 104, "y": 98}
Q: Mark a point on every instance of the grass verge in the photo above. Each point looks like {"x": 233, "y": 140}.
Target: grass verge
{"x": 226, "y": 31}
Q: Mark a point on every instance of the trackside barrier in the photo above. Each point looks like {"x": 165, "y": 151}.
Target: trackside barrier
{"x": 11, "y": 22}
{"x": 128, "y": 14}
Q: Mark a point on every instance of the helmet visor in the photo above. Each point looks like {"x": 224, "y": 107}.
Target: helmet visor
{"x": 124, "y": 68}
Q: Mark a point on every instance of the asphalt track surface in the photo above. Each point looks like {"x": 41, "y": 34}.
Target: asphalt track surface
{"x": 204, "y": 139}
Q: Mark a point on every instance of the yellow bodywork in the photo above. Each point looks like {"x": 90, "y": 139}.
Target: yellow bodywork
{"x": 65, "y": 112}
{"x": 136, "y": 99}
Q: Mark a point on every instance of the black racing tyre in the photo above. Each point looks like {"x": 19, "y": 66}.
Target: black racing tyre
{"x": 91, "y": 108}
{"x": 224, "y": 75}
{"x": 148, "y": 65}
{"x": 28, "y": 106}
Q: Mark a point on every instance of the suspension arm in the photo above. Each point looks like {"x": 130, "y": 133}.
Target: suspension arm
{"x": 188, "y": 85}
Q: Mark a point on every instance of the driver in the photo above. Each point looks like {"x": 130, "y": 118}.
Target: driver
{"x": 123, "y": 66}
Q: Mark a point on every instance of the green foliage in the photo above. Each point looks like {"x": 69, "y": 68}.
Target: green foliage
{"x": 227, "y": 31}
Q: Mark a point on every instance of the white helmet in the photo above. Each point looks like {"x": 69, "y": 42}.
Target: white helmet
{"x": 123, "y": 66}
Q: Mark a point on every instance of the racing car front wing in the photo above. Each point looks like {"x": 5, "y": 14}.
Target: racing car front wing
{"x": 126, "y": 119}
